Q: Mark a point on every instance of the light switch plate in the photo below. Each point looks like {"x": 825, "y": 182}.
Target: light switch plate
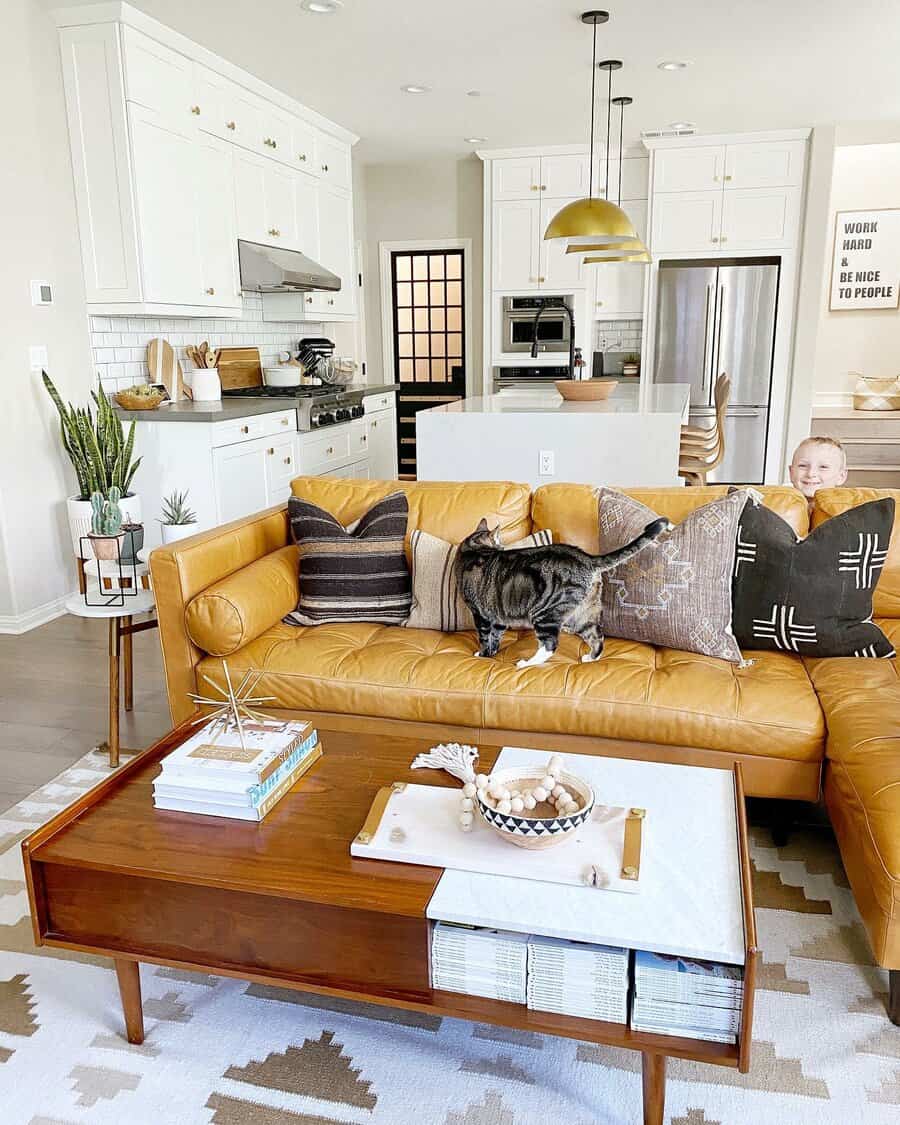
{"x": 41, "y": 293}
{"x": 37, "y": 357}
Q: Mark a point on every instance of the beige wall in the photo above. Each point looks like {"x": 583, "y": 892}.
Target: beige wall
{"x": 868, "y": 341}
{"x": 39, "y": 242}
{"x": 433, "y": 199}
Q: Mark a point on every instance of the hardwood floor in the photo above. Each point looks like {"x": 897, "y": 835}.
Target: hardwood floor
{"x": 53, "y": 700}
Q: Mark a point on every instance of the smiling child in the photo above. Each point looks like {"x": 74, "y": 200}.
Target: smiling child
{"x": 818, "y": 462}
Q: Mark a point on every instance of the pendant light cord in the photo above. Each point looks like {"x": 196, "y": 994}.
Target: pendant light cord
{"x": 593, "y": 89}
{"x": 608, "y": 119}
{"x": 621, "y": 128}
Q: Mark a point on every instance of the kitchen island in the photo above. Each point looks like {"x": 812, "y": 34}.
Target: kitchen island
{"x": 536, "y": 437}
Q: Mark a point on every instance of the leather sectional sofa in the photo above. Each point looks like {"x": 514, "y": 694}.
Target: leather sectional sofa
{"x": 796, "y": 725}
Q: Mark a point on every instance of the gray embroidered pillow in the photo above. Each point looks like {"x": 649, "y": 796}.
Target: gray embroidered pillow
{"x": 437, "y": 602}
{"x": 676, "y": 593}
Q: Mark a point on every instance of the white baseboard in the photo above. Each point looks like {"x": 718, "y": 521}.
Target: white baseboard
{"x": 16, "y": 624}
{"x": 842, "y": 400}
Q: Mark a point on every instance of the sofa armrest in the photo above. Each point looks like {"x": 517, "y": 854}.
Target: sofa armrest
{"x": 180, "y": 571}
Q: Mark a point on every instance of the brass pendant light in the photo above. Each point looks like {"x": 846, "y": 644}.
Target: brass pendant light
{"x": 590, "y": 221}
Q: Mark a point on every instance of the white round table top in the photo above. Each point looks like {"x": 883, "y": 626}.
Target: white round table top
{"x": 141, "y": 602}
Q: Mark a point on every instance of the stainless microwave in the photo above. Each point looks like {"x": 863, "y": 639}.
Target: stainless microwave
{"x": 518, "y": 324}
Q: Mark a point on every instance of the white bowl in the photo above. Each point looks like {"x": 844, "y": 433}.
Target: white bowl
{"x": 285, "y": 375}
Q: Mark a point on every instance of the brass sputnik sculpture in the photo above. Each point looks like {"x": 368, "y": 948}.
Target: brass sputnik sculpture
{"x": 233, "y": 704}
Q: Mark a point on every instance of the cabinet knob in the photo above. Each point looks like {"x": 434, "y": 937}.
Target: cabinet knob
{"x": 724, "y": 238}
{"x": 274, "y": 231}
{"x": 331, "y": 300}
{"x": 230, "y": 125}
{"x": 270, "y": 452}
{"x": 728, "y": 177}
{"x": 374, "y": 425}
{"x": 270, "y": 142}
{"x": 714, "y": 240}
{"x": 309, "y": 300}
{"x": 543, "y": 187}
{"x": 324, "y": 167}
{"x": 330, "y": 450}
{"x": 364, "y": 438}
{"x": 542, "y": 278}
{"x": 210, "y": 292}
{"x": 534, "y": 187}
{"x": 287, "y": 460}
{"x": 285, "y": 421}
{"x": 245, "y": 429}
{"x": 715, "y": 179}
{"x": 599, "y": 303}
{"x": 195, "y": 109}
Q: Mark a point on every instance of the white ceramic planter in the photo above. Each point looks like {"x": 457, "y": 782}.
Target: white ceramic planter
{"x": 79, "y": 513}
{"x": 172, "y": 532}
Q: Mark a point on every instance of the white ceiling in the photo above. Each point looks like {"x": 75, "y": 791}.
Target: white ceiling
{"x": 755, "y": 65}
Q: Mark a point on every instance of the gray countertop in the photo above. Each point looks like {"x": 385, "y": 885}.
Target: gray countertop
{"x": 230, "y": 408}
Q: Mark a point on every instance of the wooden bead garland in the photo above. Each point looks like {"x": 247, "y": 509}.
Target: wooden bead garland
{"x": 526, "y": 799}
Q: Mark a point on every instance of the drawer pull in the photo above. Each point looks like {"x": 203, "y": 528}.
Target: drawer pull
{"x": 230, "y": 125}
{"x": 364, "y": 438}
{"x": 270, "y": 142}
{"x": 287, "y": 460}
{"x": 195, "y": 109}
{"x": 374, "y": 425}
{"x": 330, "y": 450}
{"x": 309, "y": 300}
{"x": 270, "y": 452}
{"x": 301, "y": 156}
{"x": 324, "y": 167}
{"x": 210, "y": 292}
{"x": 285, "y": 421}
{"x": 245, "y": 429}
{"x": 274, "y": 232}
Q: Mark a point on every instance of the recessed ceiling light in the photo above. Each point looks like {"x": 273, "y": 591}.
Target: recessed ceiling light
{"x": 673, "y": 64}
{"x": 413, "y": 89}
{"x": 681, "y": 126}
{"x": 473, "y": 93}
{"x": 321, "y": 7}
{"x": 475, "y": 140}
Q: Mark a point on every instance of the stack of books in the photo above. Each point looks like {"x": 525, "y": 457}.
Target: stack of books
{"x": 578, "y": 979}
{"x": 222, "y": 772}
{"x": 695, "y": 999}
{"x": 481, "y": 962}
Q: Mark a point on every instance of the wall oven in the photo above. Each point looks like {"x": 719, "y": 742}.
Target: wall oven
{"x": 518, "y": 324}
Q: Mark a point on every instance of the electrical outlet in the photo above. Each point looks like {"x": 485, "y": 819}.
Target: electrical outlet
{"x": 547, "y": 467}
{"x": 37, "y": 357}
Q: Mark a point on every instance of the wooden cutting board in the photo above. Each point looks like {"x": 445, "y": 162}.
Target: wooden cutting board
{"x": 239, "y": 367}
{"x": 165, "y": 368}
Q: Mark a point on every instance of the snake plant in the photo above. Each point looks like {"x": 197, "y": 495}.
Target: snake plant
{"x": 99, "y": 450}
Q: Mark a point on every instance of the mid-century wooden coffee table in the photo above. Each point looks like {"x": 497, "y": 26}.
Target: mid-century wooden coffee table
{"x": 283, "y": 902}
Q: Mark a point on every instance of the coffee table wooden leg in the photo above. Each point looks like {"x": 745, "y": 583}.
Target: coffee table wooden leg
{"x": 114, "y": 639}
{"x": 126, "y": 653}
{"x": 653, "y": 1070}
{"x": 129, "y": 974}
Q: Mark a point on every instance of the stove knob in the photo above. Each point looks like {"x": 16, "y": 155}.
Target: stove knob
{"x": 342, "y": 415}
{"x": 324, "y": 419}
{"x": 357, "y": 412}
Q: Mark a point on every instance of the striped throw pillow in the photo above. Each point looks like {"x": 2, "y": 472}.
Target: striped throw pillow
{"x": 437, "y": 603}
{"x": 355, "y": 573}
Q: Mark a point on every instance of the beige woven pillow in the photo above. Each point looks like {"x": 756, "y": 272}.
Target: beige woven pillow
{"x": 437, "y": 603}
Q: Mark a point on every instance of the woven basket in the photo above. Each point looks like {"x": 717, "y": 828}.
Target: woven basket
{"x": 129, "y": 401}
{"x": 871, "y": 393}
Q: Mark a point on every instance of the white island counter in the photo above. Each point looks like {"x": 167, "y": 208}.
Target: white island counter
{"x": 508, "y": 436}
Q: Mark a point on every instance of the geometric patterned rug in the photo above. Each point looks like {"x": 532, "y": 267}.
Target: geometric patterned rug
{"x": 225, "y": 1052}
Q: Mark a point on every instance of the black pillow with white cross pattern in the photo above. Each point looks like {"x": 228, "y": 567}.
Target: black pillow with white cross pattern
{"x": 811, "y": 596}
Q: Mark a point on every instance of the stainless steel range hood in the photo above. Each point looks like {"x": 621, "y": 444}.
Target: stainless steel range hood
{"x": 272, "y": 269}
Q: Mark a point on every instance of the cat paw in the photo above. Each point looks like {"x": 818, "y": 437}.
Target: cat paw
{"x": 588, "y": 659}
{"x": 523, "y": 663}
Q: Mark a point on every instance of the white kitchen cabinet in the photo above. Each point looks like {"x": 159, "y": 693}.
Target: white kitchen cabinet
{"x": 143, "y": 106}
{"x": 358, "y": 471}
{"x": 239, "y": 476}
{"x": 164, "y": 161}
{"x": 381, "y": 431}
{"x": 215, "y": 215}
{"x": 563, "y": 176}
{"x": 516, "y": 177}
{"x": 759, "y": 218}
{"x": 619, "y": 286}
{"x": 336, "y": 254}
{"x": 515, "y": 244}
{"x": 558, "y": 270}
{"x": 333, "y": 162}
{"x": 686, "y": 221}
{"x": 764, "y": 164}
{"x": 692, "y": 169}
{"x": 264, "y": 200}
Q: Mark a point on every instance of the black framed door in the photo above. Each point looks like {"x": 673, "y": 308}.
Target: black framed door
{"x": 428, "y": 314}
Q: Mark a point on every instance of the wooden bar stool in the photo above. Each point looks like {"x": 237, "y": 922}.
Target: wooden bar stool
{"x": 702, "y": 449}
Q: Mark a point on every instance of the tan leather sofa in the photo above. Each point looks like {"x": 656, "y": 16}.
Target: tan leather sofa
{"x": 223, "y": 594}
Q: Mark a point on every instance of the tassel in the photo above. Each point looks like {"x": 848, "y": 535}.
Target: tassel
{"x": 457, "y": 759}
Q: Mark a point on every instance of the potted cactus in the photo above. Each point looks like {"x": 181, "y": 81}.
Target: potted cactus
{"x": 106, "y": 533}
{"x": 101, "y": 454}
{"x": 178, "y": 520}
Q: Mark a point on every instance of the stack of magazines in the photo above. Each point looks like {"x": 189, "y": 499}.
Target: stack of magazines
{"x": 695, "y": 999}
{"x": 481, "y": 962}
{"x": 223, "y": 771}
{"x": 578, "y": 979}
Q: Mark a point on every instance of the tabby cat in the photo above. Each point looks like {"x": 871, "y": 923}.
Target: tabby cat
{"x": 541, "y": 588}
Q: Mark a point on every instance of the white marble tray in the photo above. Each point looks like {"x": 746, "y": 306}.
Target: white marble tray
{"x": 429, "y": 818}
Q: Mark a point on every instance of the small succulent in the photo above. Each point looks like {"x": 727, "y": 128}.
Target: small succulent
{"x": 631, "y": 358}
{"x": 106, "y": 515}
{"x": 175, "y": 509}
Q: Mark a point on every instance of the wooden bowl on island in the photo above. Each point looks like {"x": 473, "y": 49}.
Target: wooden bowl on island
{"x": 585, "y": 390}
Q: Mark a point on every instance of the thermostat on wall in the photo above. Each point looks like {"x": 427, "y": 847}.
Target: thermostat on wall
{"x": 41, "y": 293}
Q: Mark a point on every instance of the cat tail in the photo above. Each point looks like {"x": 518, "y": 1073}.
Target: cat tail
{"x": 651, "y": 532}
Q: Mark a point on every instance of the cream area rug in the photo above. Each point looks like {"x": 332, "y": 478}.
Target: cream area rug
{"x": 226, "y": 1052}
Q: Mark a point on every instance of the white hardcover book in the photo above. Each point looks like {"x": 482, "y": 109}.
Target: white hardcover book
{"x": 213, "y": 755}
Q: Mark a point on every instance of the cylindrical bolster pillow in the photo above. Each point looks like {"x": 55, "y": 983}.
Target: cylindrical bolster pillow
{"x": 233, "y": 612}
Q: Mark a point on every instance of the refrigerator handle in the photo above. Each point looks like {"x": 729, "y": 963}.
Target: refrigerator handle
{"x": 707, "y": 355}
{"x": 720, "y": 316}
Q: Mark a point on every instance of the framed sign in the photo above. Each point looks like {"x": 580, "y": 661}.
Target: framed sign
{"x": 865, "y": 270}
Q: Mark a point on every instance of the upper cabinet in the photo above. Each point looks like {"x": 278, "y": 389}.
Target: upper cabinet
{"x": 176, "y": 154}
{"x": 546, "y": 177}
{"x": 742, "y": 195}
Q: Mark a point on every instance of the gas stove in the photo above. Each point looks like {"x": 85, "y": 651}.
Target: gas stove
{"x": 317, "y": 407}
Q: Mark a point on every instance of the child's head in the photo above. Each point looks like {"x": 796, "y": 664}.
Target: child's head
{"x": 818, "y": 462}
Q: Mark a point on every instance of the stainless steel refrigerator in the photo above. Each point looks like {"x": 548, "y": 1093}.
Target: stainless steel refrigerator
{"x": 714, "y": 317}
